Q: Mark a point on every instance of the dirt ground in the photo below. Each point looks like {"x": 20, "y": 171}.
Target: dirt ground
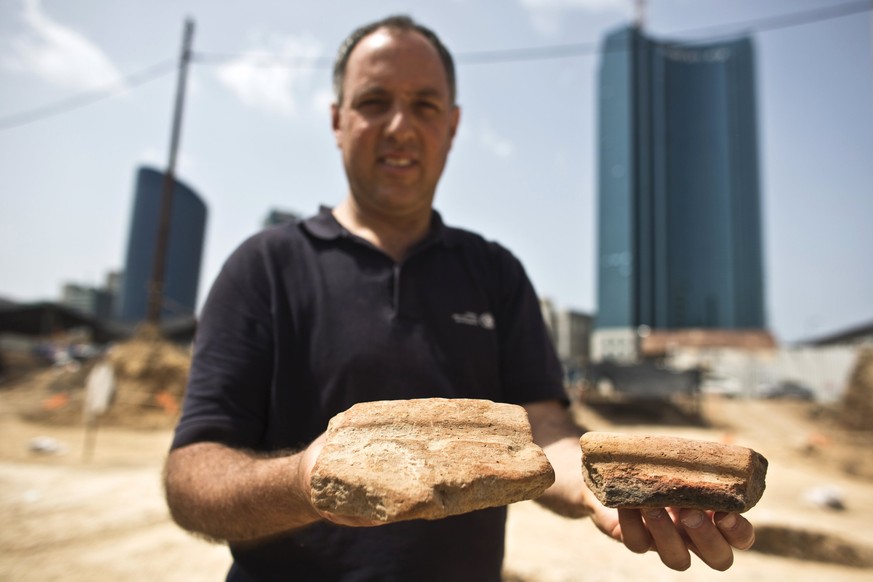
{"x": 101, "y": 519}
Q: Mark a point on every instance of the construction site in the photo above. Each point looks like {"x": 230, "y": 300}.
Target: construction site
{"x": 81, "y": 495}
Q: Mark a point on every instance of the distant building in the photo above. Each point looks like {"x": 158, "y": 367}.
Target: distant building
{"x": 680, "y": 241}
{"x": 88, "y": 300}
{"x": 276, "y": 217}
{"x": 184, "y": 250}
{"x": 114, "y": 279}
{"x": 97, "y": 301}
{"x": 570, "y": 332}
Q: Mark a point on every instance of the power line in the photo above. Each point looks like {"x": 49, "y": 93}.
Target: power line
{"x": 263, "y": 60}
{"x": 765, "y": 24}
{"x": 88, "y": 97}
{"x": 528, "y": 54}
{"x": 591, "y": 48}
{"x": 586, "y": 49}
{"x": 468, "y": 58}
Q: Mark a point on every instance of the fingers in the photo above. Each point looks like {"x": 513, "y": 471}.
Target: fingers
{"x": 643, "y": 530}
{"x": 669, "y": 542}
{"x": 675, "y": 533}
{"x": 736, "y": 529}
{"x": 634, "y": 534}
{"x": 706, "y": 539}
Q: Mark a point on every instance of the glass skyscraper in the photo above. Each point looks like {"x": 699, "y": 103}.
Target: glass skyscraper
{"x": 184, "y": 249}
{"x": 680, "y": 242}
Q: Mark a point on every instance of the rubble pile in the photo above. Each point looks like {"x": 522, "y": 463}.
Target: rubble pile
{"x": 149, "y": 376}
{"x": 857, "y": 405}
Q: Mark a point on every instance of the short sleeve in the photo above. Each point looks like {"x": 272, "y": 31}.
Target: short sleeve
{"x": 530, "y": 369}
{"x": 229, "y": 383}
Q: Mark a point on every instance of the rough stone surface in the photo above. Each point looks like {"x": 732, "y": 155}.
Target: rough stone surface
{"x": 427, "y": 459}
{"x": 658, "y": 471}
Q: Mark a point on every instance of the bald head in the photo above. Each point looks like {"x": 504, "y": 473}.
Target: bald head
{"x": 392, "y": 24}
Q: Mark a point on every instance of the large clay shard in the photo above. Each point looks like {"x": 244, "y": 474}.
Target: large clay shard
{"x": 636, "y": 471}
{"x": 427, "y": 459}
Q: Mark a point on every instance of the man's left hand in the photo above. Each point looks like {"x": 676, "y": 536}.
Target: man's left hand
{"x": 675, "y": 533}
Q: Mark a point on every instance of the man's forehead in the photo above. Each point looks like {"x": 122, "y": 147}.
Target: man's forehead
{"x": 386, "y": 57}
{"x": 378, "y": 38}
{"x": 387, "y": 45}
{"x": 376, "y": 88}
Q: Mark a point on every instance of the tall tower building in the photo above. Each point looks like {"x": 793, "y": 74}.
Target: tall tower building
{"x": 680, "y": 242}
{"x": 184, "y": 249}
{"x": 276, "y": 217}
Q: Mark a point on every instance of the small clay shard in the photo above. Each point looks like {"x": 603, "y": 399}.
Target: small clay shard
{"x": 636, "y": 471}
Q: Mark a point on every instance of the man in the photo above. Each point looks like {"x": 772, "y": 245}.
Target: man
{"x": 378, "y": 299}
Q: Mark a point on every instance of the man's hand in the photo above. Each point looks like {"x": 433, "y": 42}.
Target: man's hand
{"x": 238, "y": 496}
{"x": 304, "y": 480}
{"x": 674, "y": 533}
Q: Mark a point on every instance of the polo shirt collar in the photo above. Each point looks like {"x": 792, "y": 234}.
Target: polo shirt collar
{"x": 326, "y": 227}
{"x": 323, "y": 225}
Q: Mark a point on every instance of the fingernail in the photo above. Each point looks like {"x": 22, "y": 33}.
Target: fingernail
{"x": 692, "y": 519}
{"x": 728, "y": 521}
{"x": 654, "y": 513}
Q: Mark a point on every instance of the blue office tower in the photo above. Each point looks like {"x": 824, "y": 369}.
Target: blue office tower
{"x": 680, "y": 242}
{"x": 184, "y": 249}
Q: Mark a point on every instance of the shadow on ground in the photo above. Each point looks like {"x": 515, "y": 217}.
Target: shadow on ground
{"x": 655, "y": 411}
{"x": 811, "y": 546}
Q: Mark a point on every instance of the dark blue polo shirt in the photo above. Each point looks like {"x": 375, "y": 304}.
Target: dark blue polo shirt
{"x": 307, "y": 319}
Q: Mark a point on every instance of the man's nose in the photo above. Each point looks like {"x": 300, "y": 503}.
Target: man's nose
{"x": 400, "y": 124}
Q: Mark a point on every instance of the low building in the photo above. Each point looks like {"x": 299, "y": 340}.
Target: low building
{"x": 97, "y": 301}
{"x": 859, "y": 335}
{"x": 570, "y": 332}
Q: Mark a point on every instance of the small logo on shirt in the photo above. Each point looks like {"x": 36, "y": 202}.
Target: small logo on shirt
{"x": 484, "y": 320}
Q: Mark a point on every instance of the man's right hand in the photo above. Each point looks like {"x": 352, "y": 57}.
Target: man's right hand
{"x": 307, "y": 461}
{"x": 235, "y": 495}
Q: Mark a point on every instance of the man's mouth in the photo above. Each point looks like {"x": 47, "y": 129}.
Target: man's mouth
{"x": 396, "y": 162}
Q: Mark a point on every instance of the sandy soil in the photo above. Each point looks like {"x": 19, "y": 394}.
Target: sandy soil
{"x": 804, "y": 454}
{"x": 65, "y": 518}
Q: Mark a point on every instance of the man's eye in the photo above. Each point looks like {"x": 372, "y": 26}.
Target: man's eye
{"x": 372, "y": 104}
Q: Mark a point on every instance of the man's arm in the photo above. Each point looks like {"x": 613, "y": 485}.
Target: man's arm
{"x": 556, "y": 433}
{"x": 229, "y": 494}
{"x": 670, "y": 532}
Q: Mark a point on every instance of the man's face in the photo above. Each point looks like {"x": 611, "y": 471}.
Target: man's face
{"x": 396, "y": 123}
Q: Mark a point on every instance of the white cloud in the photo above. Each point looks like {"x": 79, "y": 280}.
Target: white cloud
{"x": 58, "y": 54}
{"x": 272, "y": 76}
{"x": 498, "y": 146}
{"x": 322, "y": 100}
{"x": 546, "y": 15}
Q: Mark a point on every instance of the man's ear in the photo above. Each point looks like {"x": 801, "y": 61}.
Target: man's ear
{"x": 335, "y": 122}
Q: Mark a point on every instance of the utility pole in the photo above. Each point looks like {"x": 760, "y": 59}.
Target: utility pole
{"x": 640, "y": 14}
{"x": 156, "y": 285}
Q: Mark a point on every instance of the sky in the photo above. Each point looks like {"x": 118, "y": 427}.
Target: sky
{"x": 522, "y": 171}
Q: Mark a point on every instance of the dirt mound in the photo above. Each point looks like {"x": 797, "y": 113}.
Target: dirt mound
{"x": 150, "y": 374}
{"x": 857, "y": 412}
